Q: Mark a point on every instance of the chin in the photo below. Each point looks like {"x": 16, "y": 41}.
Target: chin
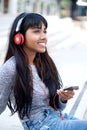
{"x": 42, "y": 50}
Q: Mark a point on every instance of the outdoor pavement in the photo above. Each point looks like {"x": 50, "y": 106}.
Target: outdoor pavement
{"x": 8, "y": 122}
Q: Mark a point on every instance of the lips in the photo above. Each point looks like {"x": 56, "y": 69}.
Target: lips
{"x": 42, "y": 44}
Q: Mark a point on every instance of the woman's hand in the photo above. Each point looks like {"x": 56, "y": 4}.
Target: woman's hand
{"x": 65, "y": 95}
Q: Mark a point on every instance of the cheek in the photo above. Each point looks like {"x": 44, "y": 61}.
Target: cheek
{"x": 29, "y": 40}
{"x": 46, "y": 39}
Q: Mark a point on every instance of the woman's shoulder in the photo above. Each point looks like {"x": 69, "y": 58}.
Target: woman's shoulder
{"x": 11, "y": 62}
{"x": 9, "y": 66}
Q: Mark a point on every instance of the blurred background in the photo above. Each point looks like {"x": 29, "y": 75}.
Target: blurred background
{"x": 67, "y": 45}
{"x": 62, "y": 8}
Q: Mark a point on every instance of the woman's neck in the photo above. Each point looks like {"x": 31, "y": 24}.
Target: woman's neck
{"x": 31, "y": 60}
{"x": 30, "y": 54}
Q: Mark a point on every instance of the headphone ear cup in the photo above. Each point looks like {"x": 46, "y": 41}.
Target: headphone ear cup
{"x": 18, "y": 39}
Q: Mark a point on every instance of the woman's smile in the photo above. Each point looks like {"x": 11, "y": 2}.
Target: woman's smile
{"x": 42, "y": 44}
{"x": 35, "y": 40}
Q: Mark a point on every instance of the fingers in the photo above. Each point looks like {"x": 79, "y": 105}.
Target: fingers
{"x": 65, "y": 95}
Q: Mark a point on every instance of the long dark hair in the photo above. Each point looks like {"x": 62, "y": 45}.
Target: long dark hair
{"x": 23, "y": 88}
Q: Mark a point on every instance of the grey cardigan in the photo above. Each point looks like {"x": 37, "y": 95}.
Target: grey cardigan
{"x": 7, "y": 80}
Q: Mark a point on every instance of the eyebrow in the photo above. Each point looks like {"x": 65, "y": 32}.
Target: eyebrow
{"x": 38, "y": 27}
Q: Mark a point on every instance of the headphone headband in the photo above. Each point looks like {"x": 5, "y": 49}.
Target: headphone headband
{"x": 19, "y": 23}
{"x": 18, "y": 37}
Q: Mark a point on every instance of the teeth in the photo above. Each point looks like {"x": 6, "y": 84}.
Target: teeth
{"x": 43, "y": 44}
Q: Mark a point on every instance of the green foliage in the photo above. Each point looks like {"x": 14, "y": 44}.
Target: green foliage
{"x": 65, "y": 3}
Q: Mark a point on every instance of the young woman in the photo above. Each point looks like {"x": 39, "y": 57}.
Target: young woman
{"x": 29, "y": 81}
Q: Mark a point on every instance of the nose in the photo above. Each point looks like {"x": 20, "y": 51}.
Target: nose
{"x": 43, "y": 35}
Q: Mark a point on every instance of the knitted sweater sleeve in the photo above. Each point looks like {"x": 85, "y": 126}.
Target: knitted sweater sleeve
{"x": 7, "y": 78}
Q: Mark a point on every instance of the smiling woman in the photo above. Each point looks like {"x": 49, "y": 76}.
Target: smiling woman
{"x": 35, "y": 41}
{"x": 29, "y": 80}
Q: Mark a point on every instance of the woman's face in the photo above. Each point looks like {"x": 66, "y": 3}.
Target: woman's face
{"x": 35, "y": 40}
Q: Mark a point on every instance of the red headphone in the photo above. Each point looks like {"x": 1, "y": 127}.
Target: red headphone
{"x": 18, "y": 37}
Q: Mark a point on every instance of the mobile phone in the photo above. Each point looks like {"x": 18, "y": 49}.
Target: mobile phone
{"x": 71, "y": 88}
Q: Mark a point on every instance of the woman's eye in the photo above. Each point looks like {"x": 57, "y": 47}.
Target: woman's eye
{"x": 37, "y": 31}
